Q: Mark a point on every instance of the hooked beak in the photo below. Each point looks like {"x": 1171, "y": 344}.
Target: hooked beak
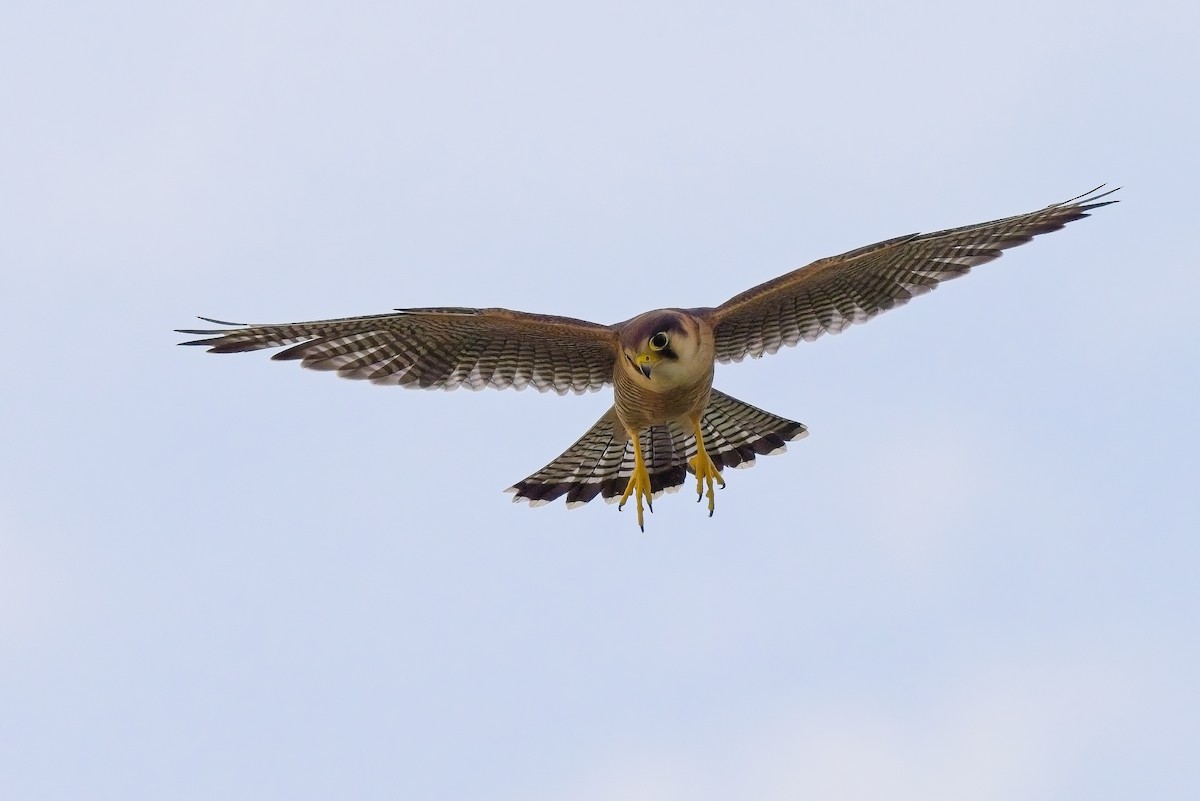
{"x": 646, "y": 361}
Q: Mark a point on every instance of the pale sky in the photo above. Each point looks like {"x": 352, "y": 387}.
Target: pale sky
{"x": 223, "y": 577}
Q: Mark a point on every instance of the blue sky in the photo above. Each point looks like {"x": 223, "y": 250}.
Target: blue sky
{"x": 222, "y": 577}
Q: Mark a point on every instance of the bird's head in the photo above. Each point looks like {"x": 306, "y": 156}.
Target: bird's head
{"x": 663, "y": 347}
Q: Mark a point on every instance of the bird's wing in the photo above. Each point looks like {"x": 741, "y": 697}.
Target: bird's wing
{"x": 830, "y": 294}
{"x": 439, "y": 348}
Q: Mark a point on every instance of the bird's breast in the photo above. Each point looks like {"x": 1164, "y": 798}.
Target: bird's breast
{"x": 641, "y": 405}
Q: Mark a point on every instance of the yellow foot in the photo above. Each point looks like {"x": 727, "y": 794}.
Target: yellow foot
{"x": 706, "y": 474}
{"x": 638, "y": 486}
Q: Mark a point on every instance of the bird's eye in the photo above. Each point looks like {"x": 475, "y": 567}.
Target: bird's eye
{"x": 659, "y": 340}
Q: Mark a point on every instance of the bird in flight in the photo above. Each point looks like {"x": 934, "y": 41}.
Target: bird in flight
{"x": 666, "y": 421}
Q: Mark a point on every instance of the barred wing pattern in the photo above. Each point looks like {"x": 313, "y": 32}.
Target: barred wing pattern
{"x": 831, "y": 294}
{"x": 602, "y": 461}
{"x": 439, "y": 348}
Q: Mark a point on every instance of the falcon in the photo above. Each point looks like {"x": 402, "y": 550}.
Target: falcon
{"x": 666, "y": 421}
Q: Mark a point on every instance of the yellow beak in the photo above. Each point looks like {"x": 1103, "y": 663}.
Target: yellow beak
{"x": 646, "y": 361}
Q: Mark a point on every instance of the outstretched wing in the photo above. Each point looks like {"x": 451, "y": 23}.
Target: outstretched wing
{"x": 439, "y": 348}
{"x": 830, "y": 294}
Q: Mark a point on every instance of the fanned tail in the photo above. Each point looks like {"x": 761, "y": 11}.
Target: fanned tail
{"x": 601, "y": 461}
{"x": 736, "y": 432}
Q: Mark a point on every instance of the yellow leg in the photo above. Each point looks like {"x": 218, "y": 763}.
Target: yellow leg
{"x": 706, "y": 471}
{"x": 639, "y": 482}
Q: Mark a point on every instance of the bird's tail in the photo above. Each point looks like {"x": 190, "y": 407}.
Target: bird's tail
{"x": 601, "y": 462}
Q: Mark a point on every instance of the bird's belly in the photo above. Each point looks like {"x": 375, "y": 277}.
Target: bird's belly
{"x": 640, "y": 407}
